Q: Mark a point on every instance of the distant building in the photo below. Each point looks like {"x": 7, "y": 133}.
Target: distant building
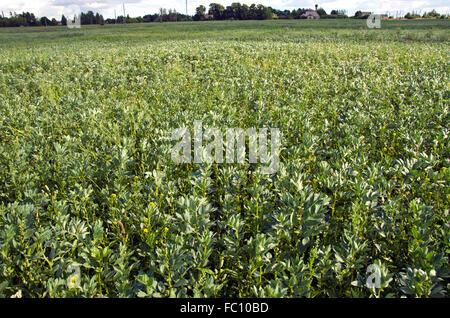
{"x": 365, "y": 14}
{"x": 209, "y": 17}
{"x": 384, "y": 17}
{"x": 310, "y": 14}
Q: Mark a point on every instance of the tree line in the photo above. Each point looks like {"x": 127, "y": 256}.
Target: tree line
{"x": 216, "y": 11}
{"x": 29, "y": 19}
{"x": 427, "y": 15}
{"x": 237, "y": 11}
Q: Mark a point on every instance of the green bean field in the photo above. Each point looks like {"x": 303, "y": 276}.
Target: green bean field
{"x": 92, "y": 203}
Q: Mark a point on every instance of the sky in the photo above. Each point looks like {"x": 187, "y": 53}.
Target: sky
{"x": 55, "y": 8}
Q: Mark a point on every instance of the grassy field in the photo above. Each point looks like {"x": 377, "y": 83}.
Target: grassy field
{"x": 92, "y": 204}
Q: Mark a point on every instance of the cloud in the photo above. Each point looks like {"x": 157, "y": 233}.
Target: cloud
{"x": 54, "y": 8}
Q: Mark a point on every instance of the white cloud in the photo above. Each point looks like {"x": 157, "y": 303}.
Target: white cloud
{"x": 54, "y": 8}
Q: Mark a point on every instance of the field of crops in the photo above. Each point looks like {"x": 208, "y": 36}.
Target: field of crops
{"x": 91, "y": 203}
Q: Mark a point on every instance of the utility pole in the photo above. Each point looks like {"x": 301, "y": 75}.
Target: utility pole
{"x": 124, "y": 20}
{"x": 186, "y": 8}
{"x": 115, "y": 16}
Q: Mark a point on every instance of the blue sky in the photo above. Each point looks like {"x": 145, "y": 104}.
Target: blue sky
{"x": 55, "y": 8}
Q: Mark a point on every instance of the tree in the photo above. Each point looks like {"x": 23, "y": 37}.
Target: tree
{"x": 252, "y": 12}
{"x": 200, "y": 13}
{"x": 358, "y": 14}
{"x": 29, "y": 18}
{"x": 338, "y": 14}
{"x": 412, "y": 16}
{"x": 87, "y": 18}
{"x": 63, "y": 20}
{"x": 431, "y": 14}
{"x": 162, "y": 15}
{"x": 228, "y": 13}
{"x": 150, "y": 17}
{"x": 322, "y": 12}
{"x": 172, "y": 16}
{"x": 216, "y": 10}
{"x": 45, "y": 21}
{"x": 90, "y": 16}
{"x": 243, "y": 12}
{"x": 263, "y": 13}
{"x": 296, "y": 14}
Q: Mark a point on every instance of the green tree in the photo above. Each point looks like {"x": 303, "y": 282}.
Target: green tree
{"x": 244, "y": 12}
{"x": 322, "y": 12}
{"x": 200, "y": 13}
{"x": 45, "y": 21}
{"x": 431, "y": 14}
{"x": 358, "y": 14}
{"x": 216, "y": 10}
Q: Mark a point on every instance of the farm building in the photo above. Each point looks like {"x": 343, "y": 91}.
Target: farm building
{"x": 310, "y": 15}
